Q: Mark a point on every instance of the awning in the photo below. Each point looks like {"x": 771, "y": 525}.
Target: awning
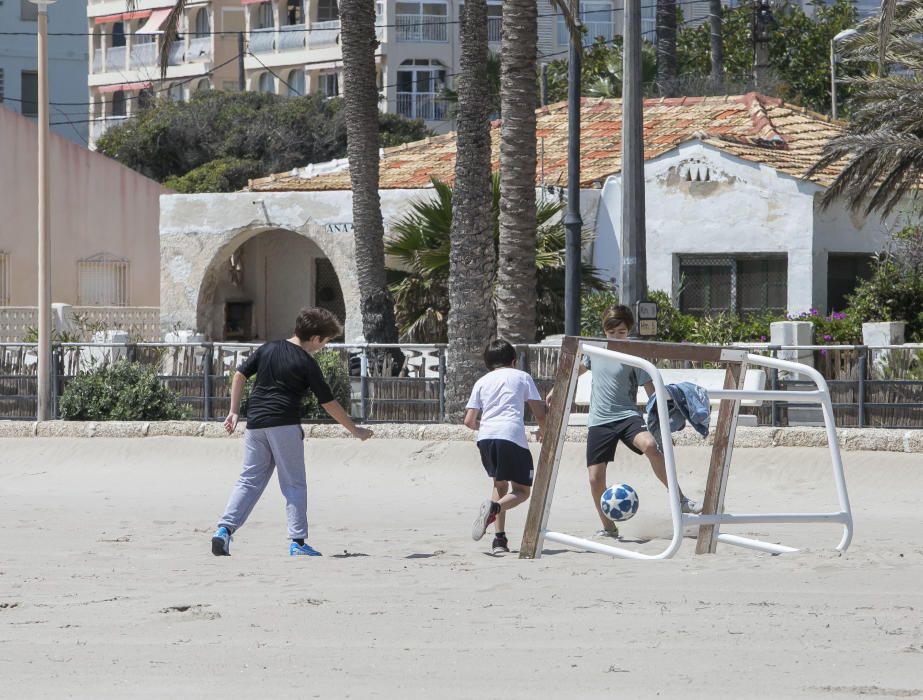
{"x": 124, "y": 87}
{"x": 121, "y": 17}
{"x": 155, "y": 22}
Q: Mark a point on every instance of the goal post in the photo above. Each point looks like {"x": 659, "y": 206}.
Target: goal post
{"x": 643, "y": 355}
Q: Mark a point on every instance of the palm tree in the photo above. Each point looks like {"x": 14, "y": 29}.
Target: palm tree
{"x": 882, "y": 146}
{"x": 666, "y": 48}
{"x": 360, "y": 101}
{"x": 519, "y": 99}
{"x": 471, "y": 260}
{"x": 420, "y": 246}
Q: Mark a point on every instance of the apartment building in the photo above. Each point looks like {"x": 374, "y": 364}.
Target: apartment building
{"x": 67, "y": 64}
{"x": 124, "y": 50}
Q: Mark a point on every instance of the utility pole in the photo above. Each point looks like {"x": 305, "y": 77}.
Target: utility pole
{"x": 544, "y": 85}
{"x": 763, "y": 24}
{"x": 633, "y": 286}
{"x": 44, "y": 409}
{"x": 573, "y": 223}
{"x": 241, "y": 74}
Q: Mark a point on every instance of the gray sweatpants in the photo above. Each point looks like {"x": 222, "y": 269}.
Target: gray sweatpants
{"x": 264, "y": 449}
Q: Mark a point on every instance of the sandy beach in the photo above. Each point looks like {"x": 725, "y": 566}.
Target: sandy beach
{"x": 108, "y": 588}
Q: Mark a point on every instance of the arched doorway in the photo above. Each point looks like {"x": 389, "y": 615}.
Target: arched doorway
{"x": 255, "y": 286}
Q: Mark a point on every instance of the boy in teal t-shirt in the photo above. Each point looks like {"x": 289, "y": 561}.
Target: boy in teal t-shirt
{"x": 615, "y": 417}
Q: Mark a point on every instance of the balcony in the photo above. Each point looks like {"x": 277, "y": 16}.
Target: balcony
{"x": 593, "y": 31}
{"x": 292, "y": 37}
{"x": 262, "y": 40}
{"x": 200, "y": 49}
{"x": 324, "y": 33}
{"x": 421, "y": 27}
{"x": 98, "y": 127}
{"x": 143, "y": 55}
{"x": 428, "y": 106}
{"x": 117, "y": 59}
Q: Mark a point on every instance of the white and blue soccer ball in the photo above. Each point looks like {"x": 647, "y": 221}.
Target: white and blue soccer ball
{"x": 619, "y": 502}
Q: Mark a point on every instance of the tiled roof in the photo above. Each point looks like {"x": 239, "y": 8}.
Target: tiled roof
{"x": 752, "y": 127}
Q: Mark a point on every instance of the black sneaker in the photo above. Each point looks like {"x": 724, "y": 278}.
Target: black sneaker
{"x": 500, "y": 545}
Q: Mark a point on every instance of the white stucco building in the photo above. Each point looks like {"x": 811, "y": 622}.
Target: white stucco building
{"x": 731, "y": 221}
{"x": 67, "y": 64}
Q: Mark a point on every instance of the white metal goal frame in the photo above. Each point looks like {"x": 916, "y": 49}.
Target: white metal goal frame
{"x": 713, "y": 515}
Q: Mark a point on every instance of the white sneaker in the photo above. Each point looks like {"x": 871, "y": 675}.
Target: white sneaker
{"x": 689, "y": 506}
{"x": 605, "y": 532}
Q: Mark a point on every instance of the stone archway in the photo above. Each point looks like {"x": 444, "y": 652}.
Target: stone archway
{"x": 197, "y": 279}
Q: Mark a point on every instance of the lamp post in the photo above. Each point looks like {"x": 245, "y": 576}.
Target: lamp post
{"x": 573, "y": 222}
{"x": 44, "y": 408}
{"x": 845, "y": 34}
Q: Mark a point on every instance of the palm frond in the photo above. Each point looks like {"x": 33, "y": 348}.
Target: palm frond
{"x": 571, "y": 21}
{"x": 170, "y": 33}
{"x": 888, "y": 10}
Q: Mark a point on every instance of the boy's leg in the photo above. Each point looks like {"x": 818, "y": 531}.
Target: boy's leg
{"x": 287, "y": 443}
{"x": 258, "y": 466}
{"x": 597, "y": 476}
{"x": 500, "y": 490}
{"x": 645, "y": 442}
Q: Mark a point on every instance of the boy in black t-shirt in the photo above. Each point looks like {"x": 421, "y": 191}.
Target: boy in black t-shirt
{"x": 285, "y": 371}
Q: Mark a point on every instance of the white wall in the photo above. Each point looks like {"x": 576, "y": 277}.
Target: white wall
{"x": 67, "y": 63}
{"x": 742, "y": 208}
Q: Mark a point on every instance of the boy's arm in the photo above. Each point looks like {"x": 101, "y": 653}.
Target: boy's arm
{"x": 649, "y": 388}
{"x": 471, "y": 419}
{"x": 538, "y": 410}
{"x": 337, "y": 412}
{"x": 237, "y": 391}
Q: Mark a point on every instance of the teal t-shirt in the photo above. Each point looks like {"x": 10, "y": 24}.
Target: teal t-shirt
{"x": 614, "y": 391}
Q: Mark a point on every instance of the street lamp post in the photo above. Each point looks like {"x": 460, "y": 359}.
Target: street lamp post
{"x": 573, "y": 222}
{"x": 43, "y": 400}
{"x": 845, "y": 34}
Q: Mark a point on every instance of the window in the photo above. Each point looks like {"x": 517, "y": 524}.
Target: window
{"x": 296, "y": 83}
{"x": 745, "y": 284}
{"x": 204, "y": 85}
{"x": 202, "y": 25}
{"x": 295, "y": 13}
{"x": 118, "y": 107}
{"x": 419, "y": 87}
{"x": 4, "y": 279}
{"x": 176, "y": 92}
{"x": 264, "y": 18}
{"x": 421, "y": 21}
{"x": 29, "y": 93}
{"x": 146, "y": 98}
{"x": 118, "y": 35}
{"x": 266, "y": 83}
{"x": 103, "y": 280}
{"x": 844, "y": 270}
{"x": 596, "y": 17}
{"x": 329, "y": 84}
{"x": 28, "y": 12}
{"x": 327, "y": 11}
{"x": 494, "y": 22}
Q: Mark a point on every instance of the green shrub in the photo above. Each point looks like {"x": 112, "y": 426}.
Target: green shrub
{"x": 592, "y": 307}
{"x": 121, "y": 391}
{"x": 337, "y": 378}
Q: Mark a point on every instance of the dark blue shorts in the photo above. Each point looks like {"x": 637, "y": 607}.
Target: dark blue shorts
{"x": 602, "y": 439}
{"x": 506, "y": 461}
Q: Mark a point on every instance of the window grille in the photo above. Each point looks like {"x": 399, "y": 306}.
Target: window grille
{"x": 103, "y": 280}
{"x": 735, "y": 284}
{"x": 4, "y": 279}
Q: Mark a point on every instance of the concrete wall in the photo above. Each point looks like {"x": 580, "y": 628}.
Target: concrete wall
{"x": 67, "y": 64}
{"x": 97, "y": 205}
{"x": 742, "y": 208}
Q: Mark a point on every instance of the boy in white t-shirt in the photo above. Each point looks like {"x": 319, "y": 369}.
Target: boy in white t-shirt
{"x": 500, "y": 396}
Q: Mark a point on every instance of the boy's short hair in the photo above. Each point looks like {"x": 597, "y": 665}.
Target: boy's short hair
{"x": 315, "y": 321}
{"x": 499, "y": 353}
{"x": 617, "y": 314}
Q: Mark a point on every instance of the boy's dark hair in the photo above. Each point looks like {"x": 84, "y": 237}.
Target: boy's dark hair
{"x": 499, "y": 353}
{"x": 311, "y": 322}
{"x": 617, "y": 314}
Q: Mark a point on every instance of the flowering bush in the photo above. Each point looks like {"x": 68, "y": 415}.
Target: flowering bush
{"x": 838, "y": 328}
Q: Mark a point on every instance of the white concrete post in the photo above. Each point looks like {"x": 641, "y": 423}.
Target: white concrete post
{"x": 793, "y": 333}
{"x": 884, "y": 363}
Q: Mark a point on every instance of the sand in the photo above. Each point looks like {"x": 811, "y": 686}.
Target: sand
{"x": 108, "y": 588}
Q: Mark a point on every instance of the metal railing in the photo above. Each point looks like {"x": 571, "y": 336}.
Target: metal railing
{"x": 869, "y": 386}
{"x": 422, "y": 105}
{"x": 421, "y": 27}
{"x": 494, "y": 33}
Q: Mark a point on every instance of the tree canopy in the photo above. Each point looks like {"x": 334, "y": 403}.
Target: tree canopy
{"x": 218, "y": 140}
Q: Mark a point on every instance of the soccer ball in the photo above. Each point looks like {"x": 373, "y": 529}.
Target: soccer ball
{"x": 619, "y": 502}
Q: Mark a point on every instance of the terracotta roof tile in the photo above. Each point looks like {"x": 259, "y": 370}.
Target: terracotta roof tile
{"x": 752, "y": 127}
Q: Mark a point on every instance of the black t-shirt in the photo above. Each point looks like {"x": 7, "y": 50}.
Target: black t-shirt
{"x": 284, "y": 374}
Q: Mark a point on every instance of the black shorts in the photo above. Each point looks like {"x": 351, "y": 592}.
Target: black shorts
{"x": 506, "y": 461}
{"x": 602, "y": 439}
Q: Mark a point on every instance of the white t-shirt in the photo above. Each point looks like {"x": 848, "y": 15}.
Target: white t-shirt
{"x": 501, "y": 395}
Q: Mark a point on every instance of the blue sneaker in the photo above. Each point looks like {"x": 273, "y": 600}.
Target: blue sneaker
{"x": 303, "y": 550}
{"x": 221, "y": 542}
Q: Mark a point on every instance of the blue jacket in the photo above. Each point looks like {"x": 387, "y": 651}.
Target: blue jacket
{"x": 688, "y": 402}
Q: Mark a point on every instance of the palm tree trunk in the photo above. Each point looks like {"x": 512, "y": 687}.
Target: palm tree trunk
{"x": 518, "y": 100}
{"x": 471, "y": 254}
{"x": 666, "y": 48}
{"x": 717, "y": 46}
{"x": 360, "y": 101}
